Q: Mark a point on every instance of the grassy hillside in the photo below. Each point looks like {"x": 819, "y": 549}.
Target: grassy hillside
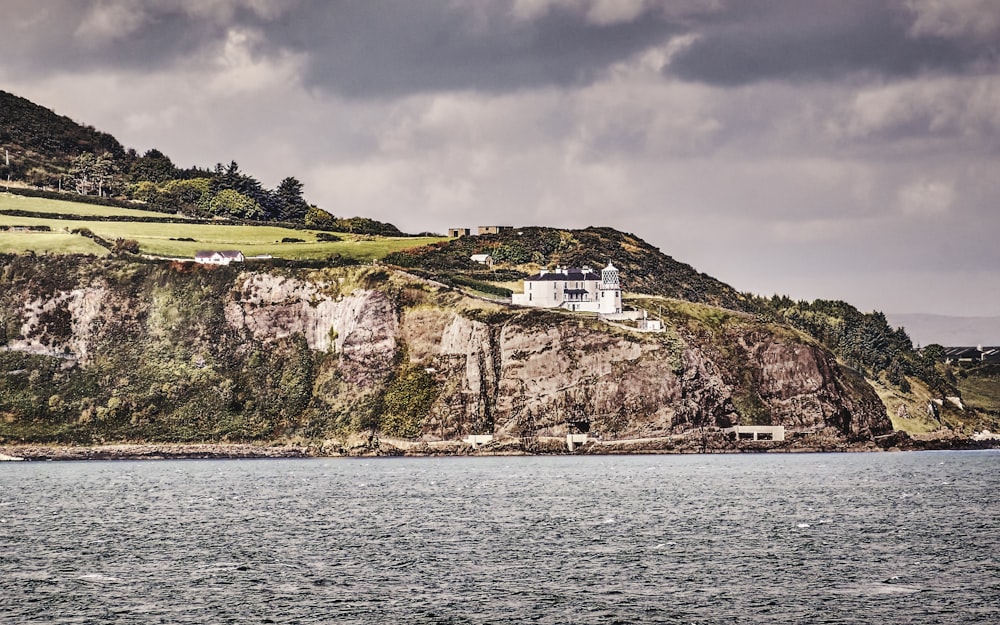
{"x": 45, "y": 143}
{"x": 521, "y": 252}
{"x": 10, "y": 203}
{"x": 980, "y": 387}
{"x": 181, "y": 239}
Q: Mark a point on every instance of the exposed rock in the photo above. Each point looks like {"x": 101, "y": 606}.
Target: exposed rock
{"x": 361, "y": 328}
{"x": 533, "y": 374}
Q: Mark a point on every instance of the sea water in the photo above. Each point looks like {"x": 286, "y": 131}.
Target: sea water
{"x": 814, "y": 538}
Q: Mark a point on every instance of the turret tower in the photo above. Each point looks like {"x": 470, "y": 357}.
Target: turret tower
{"x": 610, "y": 291}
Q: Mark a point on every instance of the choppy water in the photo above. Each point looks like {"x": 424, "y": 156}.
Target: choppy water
{"x": 856, "y": 538}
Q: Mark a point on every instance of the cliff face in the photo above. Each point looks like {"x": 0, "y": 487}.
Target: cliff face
{"x": 536, "y": 371}
{"x": 117, "y": 351}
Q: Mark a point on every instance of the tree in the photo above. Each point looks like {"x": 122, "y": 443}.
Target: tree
{"x": 153, "y": 166}
{"x": 188, "y": 195}
{"x": 144, "y": 191}
{"x": 230, "y": 177}
{"x": 234, "y": 204}
{"x": 105, "y": 173}
{"x": 289, "y": 204}
{"x": 318, "y": 218}
{"x": 94, "y": 173}
{"x": 82, "y": 171}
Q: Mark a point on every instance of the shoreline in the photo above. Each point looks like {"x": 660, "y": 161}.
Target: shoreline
{"x": 30, "y": 452}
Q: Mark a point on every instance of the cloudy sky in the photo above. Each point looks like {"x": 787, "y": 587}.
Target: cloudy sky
{"x": 844, "y": 149}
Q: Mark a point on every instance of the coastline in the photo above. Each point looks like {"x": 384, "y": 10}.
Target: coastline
{"x": 233, "y": 451}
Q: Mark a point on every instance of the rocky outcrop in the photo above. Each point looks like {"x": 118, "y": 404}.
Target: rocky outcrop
{"x": 360, "y": 327}
{"x": 60, "y": 325}
{"x": 540, "y": 374}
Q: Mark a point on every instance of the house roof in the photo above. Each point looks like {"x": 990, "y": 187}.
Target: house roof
{"x": 571, "y": 273}
{"x": 222, "y": 253}
{"x": 971, "y": 352}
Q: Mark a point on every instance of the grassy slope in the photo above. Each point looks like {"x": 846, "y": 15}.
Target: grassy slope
{"x": 981, "y": 388}
{"x": 48, "y": 243}
{"x": 64, "y": 207}
{"x": 155, "y": 238}
{"x": 523, "y": 251}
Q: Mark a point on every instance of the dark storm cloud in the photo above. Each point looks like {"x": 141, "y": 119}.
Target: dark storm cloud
{"x": 365, "y": 48}
{"x": 379, "y": 48}
{"x": 818, "y": 41}
{"x": 353, "y": 47}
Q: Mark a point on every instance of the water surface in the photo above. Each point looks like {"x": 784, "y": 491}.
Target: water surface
{"x": 814, "y": 538}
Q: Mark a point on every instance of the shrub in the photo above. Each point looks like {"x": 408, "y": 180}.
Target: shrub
{"x": 123, "y": 246}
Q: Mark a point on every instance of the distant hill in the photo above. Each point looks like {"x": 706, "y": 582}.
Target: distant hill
{"x": 948, "y": 330}
{"x": 43, "y": 143}
{"x": 51, "y": 153}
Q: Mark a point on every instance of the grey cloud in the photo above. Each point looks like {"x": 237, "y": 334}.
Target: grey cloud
{"x": 376, "y": 48}
{"x": 60, "y": 37}
{"x": 792, "y": 40}
{"x": 357, "y": 48}
{"x": 386, "y": 48}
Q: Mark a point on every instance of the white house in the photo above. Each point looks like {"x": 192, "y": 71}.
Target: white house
{"x": 482, "y": 259}
{"x": 223, "y": 257}
{"x": 573, "y": 288}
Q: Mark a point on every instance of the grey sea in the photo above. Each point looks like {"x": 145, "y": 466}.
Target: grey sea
{"x": 815, "y": 538}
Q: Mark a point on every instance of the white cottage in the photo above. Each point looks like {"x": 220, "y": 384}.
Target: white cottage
{"x": 573, "y": 288}
{"x": 223, "y": 257}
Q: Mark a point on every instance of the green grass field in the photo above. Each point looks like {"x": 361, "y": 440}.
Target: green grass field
{"x": 48, "y": 243}
{"x": 40, "y": 205}
{"x": 161, "y": 238}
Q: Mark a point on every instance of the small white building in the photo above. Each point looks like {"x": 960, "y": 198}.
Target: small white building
{"x": 756, "y": 432}
{"x": 223, "y": 257}
{"x": 482, "y": 259}
{"x": 573, "y": 288}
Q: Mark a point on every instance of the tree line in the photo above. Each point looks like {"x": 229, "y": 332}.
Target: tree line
{"x": 152, "y": 178}
{"x": 864, "y": 341}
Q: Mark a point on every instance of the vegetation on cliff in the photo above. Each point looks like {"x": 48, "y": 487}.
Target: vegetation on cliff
{"x": 518, "y": 253}
{"x": 97, "y": 350}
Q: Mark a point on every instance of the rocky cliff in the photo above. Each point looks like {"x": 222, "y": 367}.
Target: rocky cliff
{"x": 104, "y": 350}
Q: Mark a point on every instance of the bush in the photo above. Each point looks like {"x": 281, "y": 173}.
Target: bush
{"x": 482, "y": 287}
{"x": 123, "y": 246}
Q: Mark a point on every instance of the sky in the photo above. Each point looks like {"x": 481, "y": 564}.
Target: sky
{"x": 837, "y": 149}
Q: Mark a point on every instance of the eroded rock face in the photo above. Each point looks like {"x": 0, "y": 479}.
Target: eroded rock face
{"x": 361, "y": 328}
{"x": 61, "y": 324}
{"x": 531, "y": 378}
